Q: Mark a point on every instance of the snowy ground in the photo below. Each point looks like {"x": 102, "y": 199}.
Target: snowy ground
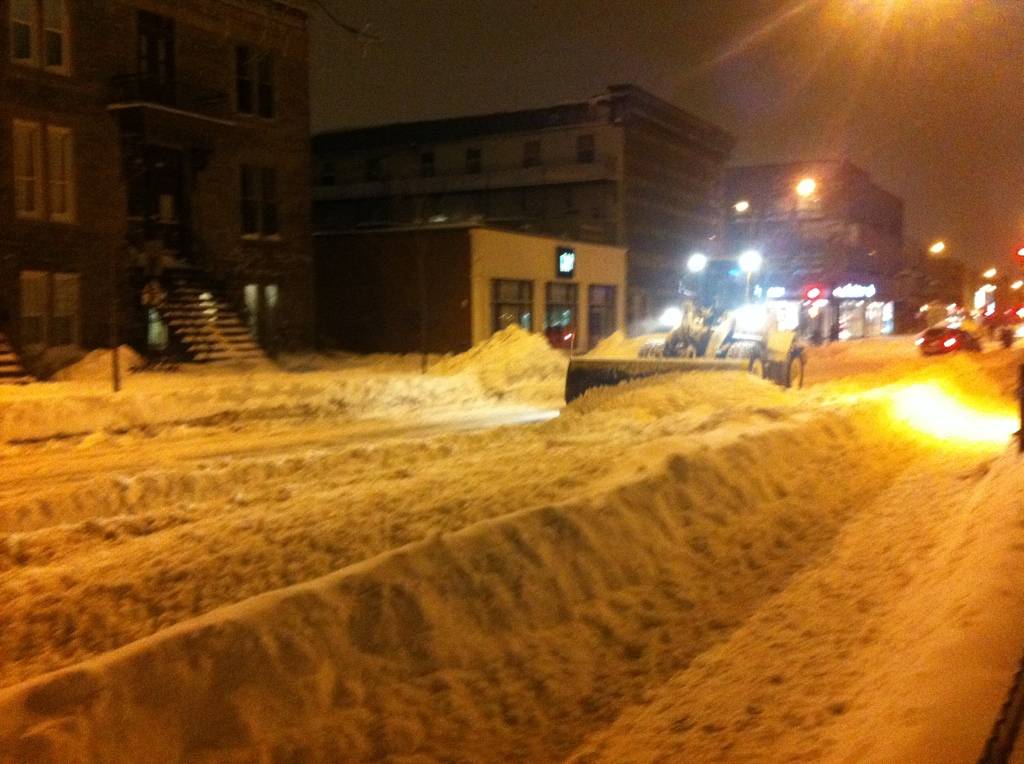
{"x": 349, "y": 561}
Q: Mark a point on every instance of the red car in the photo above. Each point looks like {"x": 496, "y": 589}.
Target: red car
{"x": 944, "y": 339}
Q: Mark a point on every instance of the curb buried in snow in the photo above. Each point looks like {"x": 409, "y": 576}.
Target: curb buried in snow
{"x": 550, "y": 606}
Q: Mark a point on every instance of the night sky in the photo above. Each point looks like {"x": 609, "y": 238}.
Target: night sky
{"x": 927, "y": 95}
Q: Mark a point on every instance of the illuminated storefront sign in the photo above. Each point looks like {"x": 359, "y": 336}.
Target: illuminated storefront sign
{"x": 565, "y": 259}
{"x": 854, "y": 291}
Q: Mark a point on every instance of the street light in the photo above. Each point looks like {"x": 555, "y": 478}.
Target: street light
{"x": 1017, "y": 284}
{"x": 937, "y": 248}
{"x": 697, "y": 262}
{"x": 750, "y": 261}
{"x": 741, "y": 206}
{"x": 990, "y": 273}
{"x": 806, "y": 187}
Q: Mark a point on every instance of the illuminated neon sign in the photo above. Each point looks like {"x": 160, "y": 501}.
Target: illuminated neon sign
{"x": 855, "y": 291}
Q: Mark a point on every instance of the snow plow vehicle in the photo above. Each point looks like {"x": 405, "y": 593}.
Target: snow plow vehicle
{"x": 743, "y": 340}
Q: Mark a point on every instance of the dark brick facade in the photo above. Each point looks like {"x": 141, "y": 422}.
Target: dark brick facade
{"x": 115, "y": 123}
{"x": 624, "y": 167}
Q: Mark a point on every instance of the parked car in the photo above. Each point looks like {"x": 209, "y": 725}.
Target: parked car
{"x": 946, "y": 339}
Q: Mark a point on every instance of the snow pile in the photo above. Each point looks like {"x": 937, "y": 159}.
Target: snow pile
{"x": 699, "y": 567}
{"x": 96, "y": 366}
{"x": 36, "y": 412}
{"x": 529, "y": 630}
{"x": 618, "y": 345}
{"x": 512, "y": 362}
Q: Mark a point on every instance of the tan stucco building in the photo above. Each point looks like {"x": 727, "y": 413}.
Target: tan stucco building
{"x": 444, "y": 288}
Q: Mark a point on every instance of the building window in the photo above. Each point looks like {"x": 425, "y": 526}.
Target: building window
{"x": 601, "y": 312}
{"x": 254, "y": 82}
{"x": 33, "y": 309}
{"x": 55, "y": 36}
{"x": 259, "y": 199}
{"x": 374, "y": 169}
{"x": 513, "y": 304}
{"x": 49, "y": 309}
{"x": 585, "y": 149}
{"x": 328, "y": 173}
{"x": 473, "y": 161}
{"x": 427, "y": 164}
{"x": 560, "y": 314}
{"x": 531, "y": 153}
{"x": 64, "y": 326}
{"x": 28, "y": 169}
{"x": 24, "y": 21}
{"x": 59, "y": 174}
{"x": 39, "y": 34}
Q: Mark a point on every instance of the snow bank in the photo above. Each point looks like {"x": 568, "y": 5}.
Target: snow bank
{"x": 898, "y": 646}
{"x": 512, "y": 362}
{"x": 96, "y": 366}
{"x": 37, "y": 412}
{"x": 508, "y": 640}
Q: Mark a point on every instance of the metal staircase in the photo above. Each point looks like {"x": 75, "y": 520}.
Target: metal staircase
{"x": 205, "y": 326}
{"x": 11, "y": 370}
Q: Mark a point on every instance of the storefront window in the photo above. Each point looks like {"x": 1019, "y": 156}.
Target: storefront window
{"x": 560, "y": 314}
{"x": 513, "y": 304}
{"x": 601, "y": 313}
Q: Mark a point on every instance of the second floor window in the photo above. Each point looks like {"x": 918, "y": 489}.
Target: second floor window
{"x": 259, "y": 201}
{"x": 531, "y": 153}
{"x": 473, "y": 162}
{"x": 43, "y": 189}
{"x": 254, "y": 81}
{"x": 585, "y": 149}
{"x": 39, "y": 34}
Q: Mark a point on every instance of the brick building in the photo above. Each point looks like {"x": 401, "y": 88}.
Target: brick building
{"x": 822, "y": 226}
{"x": 623, "y": 168}
{"x": 157, "y": 148}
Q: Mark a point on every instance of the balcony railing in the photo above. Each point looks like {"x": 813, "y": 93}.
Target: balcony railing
{"x": 176, "y": 94}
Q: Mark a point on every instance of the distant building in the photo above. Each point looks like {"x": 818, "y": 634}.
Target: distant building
{"x": 828, "y": 235}
{"x": 155, "y": 152}
{"x": 622, "y": 168}
{"x": 446, "y": 287}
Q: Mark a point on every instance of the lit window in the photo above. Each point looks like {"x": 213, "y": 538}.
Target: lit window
{"x": 512, "y": 304}
{"x": 60, "y": 174}
{"x": 28, "y": 160}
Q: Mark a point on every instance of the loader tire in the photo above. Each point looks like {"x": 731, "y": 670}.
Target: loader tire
{"x": 795, "y": 372}
{"x": 757, "y": 367}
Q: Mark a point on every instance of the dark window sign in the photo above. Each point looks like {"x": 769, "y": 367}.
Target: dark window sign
{"x": 565, "y": 262}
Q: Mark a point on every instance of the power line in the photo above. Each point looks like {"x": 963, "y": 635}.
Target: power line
{"x": 363, "y": 33}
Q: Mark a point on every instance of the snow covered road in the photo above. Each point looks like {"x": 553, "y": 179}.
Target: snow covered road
{"x": 698, "y": 568}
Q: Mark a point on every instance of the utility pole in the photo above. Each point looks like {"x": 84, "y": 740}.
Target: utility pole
{"x": 115, "y": 361}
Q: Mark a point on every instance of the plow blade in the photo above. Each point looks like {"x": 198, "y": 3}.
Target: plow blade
{"x": 585, "y": 373}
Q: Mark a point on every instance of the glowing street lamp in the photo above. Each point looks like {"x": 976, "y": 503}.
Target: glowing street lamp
{"x": 697, "y": 262}
{"x": 1017, "y": 284}
{"x": 741, "y": 206}
{"x": 937, "y": 248}
{"x": 990, "y": 273}
{"x": 806, "y": 187}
